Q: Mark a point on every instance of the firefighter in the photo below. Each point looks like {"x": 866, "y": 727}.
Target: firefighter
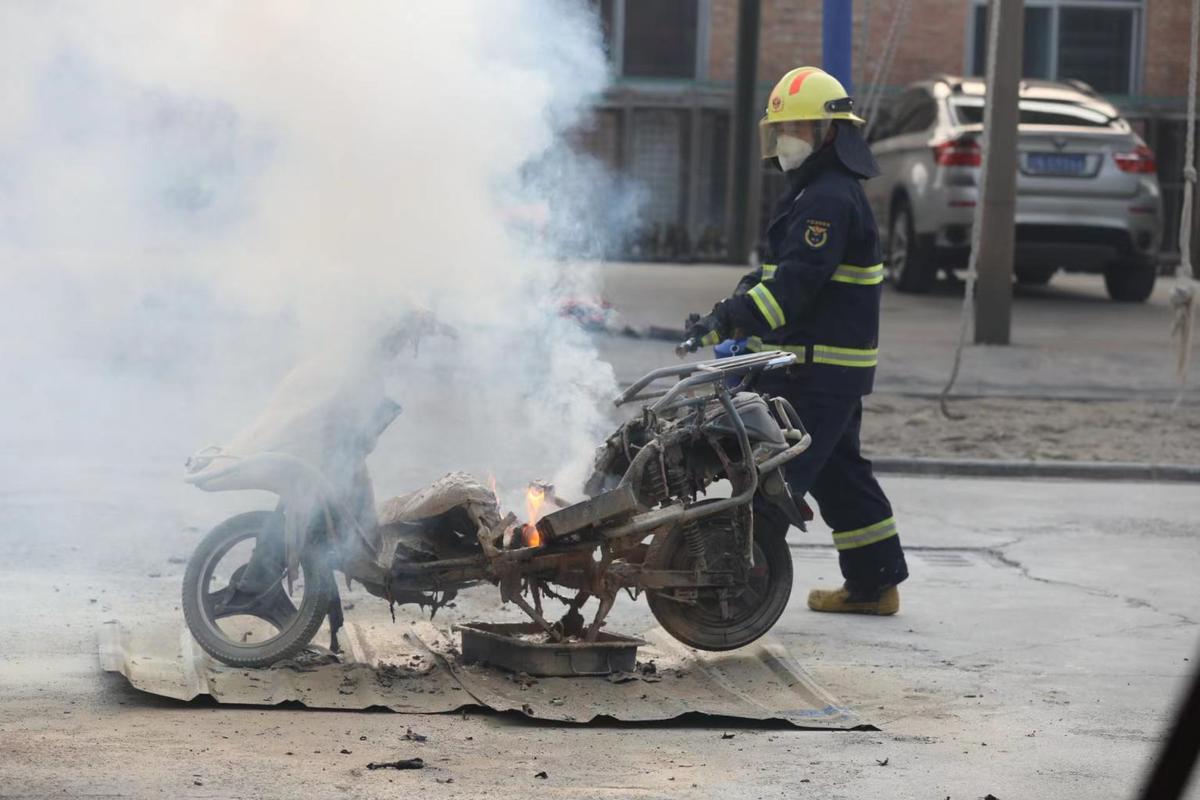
{"x": 817, "y": 295}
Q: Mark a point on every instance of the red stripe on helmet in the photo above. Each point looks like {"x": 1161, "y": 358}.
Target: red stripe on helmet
{"x": 798, "y": 81}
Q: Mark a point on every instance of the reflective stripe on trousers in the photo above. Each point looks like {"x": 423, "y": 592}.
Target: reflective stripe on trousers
{"x": 851, "y": 540}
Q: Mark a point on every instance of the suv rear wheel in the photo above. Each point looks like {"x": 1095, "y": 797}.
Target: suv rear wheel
{"x": 1130, "y": 282}
{"x": 909, "y": 266}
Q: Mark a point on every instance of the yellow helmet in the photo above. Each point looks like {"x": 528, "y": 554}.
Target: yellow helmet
{"x": 804, "y": 93}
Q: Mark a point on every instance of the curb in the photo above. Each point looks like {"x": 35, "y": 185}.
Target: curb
{"x": 1078, "y": 470}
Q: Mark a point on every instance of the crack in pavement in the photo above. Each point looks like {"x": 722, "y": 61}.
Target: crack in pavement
{"x": 999, "y": 555}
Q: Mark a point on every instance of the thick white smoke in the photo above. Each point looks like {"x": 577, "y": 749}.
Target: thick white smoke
{"x": 195, "y": 196}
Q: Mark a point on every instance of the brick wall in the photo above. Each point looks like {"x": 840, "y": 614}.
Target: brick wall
{"x": 1166, "y": 48}
{"x": 722, "y": 40}
{"x": 790, "y": 36}
{"x": 934, "y": 40}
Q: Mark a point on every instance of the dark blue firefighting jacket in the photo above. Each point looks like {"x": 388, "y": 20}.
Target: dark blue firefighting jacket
{"x": 817, "y": 293}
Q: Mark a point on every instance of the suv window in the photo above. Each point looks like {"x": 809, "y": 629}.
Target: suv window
{"x": 1037, "y": 112}
{"x": 916, "y": 111}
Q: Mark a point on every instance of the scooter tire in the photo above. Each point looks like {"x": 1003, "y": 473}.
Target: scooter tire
{"x": 319, "y": 592}
{"x": 690, "y": 625}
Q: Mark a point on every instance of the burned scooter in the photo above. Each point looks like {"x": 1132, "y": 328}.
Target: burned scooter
{"x": 716, "y": 571}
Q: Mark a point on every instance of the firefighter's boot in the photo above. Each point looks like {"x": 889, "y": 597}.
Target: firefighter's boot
{"x": 880, "y": 602}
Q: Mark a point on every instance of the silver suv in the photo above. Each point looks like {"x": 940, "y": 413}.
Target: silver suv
{"x": 1087, "y": 193}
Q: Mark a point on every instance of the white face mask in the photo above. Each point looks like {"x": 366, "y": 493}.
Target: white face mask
{"x": 791, "y": 152}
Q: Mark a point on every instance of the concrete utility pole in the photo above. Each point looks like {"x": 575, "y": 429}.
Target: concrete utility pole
{"x": 742, "y": 207}
{"x": 837, "y": 29}
{"x": 996, "y": 208}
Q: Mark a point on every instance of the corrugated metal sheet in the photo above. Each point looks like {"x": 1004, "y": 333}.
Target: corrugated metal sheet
{"x": 415, "y": 668}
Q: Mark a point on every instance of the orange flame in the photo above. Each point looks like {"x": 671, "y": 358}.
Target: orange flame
{"x": 535, "y": 498}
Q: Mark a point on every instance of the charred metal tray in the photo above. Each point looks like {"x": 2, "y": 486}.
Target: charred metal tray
{"x": 504, "y": 645}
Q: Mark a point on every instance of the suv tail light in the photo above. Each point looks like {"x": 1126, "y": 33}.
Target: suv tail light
{"x": 1140, "y": 161}
{"x": 958, "y": 153}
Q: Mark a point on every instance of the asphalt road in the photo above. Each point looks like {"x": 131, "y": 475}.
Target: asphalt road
{"x": 1046, "y": 629}
{"x": 1044, "y": 633}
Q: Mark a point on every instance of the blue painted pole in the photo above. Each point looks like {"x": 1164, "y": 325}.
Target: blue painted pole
{"x": 837, "y": 28}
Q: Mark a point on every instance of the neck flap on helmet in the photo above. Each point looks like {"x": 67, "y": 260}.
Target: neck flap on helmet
{"x": 853, "y": 151}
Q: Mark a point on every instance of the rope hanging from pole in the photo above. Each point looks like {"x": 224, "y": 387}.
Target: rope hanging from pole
{"x": 1183, "y": 294}
{"x": 862, "y": 43}
{"x": 884, "y": 67}
{"x": 968, "y": 304}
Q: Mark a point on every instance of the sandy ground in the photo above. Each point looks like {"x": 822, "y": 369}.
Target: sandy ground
{"x": 1118, "y": 425}
{"x": 1068, "y": 339}
{"x": 1084, "y": 378}
{"x": 1007, "y": 428}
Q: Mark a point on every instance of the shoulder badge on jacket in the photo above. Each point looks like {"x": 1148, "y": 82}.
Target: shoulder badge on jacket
{"x": 816, "y": 234}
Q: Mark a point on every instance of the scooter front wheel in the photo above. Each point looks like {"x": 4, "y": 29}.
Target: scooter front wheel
{"x": 234, "y": 596}
{"x": 723, "y": 619}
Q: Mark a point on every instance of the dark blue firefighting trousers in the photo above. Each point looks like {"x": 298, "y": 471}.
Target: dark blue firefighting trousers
{"x": 840, "y": 479}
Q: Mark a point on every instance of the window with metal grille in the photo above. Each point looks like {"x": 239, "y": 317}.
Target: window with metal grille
{"x": 660, "y": 39}
{"x": 653, "y": 38}
{"x": 1096, "y": 46}
{"x": 605, "y": 9}
{"x": 657, "y": 163}
{"x": 1095, "y": 42}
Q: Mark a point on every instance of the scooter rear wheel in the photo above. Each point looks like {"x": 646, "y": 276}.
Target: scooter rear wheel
{"x": 253, "y": 596}
{"x": 753, "y": 609}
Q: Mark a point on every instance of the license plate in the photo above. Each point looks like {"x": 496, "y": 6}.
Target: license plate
{"x": 1056, "y": 163}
